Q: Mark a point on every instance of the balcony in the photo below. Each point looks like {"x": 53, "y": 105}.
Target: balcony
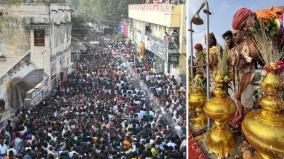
{"x": 160, "y": 47}
{"x": 168, "y": 15}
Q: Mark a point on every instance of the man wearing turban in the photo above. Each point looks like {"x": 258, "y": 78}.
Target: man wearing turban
{"x": 200, "y": 58}
{"x": 242, "y": 57}
{"x": 272, "y": 18}
{"x": 243, "y": 19}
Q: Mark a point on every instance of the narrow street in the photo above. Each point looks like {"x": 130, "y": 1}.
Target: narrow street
{"x": 102, "y": 111}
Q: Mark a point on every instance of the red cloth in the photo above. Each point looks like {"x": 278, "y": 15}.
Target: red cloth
{"x": 198, "y": 46}
{"x": 240, "y": 16}
{"x": 194, "y": 151}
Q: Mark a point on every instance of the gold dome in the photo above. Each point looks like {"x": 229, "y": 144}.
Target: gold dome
{"x": 264, "y": 128}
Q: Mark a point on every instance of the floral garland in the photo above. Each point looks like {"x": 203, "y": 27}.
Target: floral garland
{"x": 276, "y": 68}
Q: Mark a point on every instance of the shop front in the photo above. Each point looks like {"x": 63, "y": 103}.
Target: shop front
{"x": 156, "y": 52}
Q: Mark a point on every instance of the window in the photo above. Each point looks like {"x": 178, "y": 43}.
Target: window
{"x": 148, "y": 29}
{"x": 174, "y": 59}
{"x": 74, "y": 57}
{"x": 39, "y": 36}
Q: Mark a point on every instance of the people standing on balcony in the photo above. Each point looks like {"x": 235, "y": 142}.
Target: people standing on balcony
{"x": 167, "y": 37}
{"x": 175, "y": 39}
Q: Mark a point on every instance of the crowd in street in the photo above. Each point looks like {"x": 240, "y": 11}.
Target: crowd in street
{"x": 113, "y": 106}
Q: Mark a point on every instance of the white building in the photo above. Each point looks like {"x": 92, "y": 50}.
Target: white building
{"x": 36, "y": 43}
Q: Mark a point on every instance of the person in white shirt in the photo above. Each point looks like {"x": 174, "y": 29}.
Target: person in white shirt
{"x": 3, "y": 149}
{"x": 11, "y": 152}
{"x": 171, "y": 144}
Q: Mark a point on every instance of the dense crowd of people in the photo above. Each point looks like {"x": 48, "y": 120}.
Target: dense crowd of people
{"x": 111, "y": 107}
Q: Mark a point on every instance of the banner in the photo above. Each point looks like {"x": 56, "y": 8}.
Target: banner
{"x": 123, "y": 28}
{"x": 142, "y": 50}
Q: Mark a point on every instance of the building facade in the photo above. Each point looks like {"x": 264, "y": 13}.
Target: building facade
{"x": 36, "y": 38}
{"x": 159, "y": 29}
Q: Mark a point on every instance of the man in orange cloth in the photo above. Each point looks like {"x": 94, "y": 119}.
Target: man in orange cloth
{"x": 272, "y": 18}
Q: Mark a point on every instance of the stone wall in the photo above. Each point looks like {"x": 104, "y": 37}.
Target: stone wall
{"x": 18, "y": 38}
{"x": 15, "y": 38}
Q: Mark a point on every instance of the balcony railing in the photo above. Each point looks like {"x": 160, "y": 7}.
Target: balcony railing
{"x": 161, "y": 47}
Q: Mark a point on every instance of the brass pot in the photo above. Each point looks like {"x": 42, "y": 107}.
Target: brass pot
{"x": 197, "y": 100}
{"x": 220, "y": 139}
{"x": 264, "y": 128}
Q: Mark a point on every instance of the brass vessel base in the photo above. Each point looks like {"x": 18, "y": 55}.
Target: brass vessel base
{"x": 220, "y": 140}
{"x": 263, "y": 155}
{"x": 264, "y": 128}
{"x": 199, "y": 122}
{"x": 255, "y": 124}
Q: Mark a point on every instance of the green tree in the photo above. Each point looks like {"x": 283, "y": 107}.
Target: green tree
{"x": 74, "y": 4}
{"x": 33, "y": 1}
{"x": 80, "y": 27}
{"x": 108, "y": 12}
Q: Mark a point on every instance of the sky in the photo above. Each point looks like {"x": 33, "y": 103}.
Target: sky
{"x": 222, "y": 15}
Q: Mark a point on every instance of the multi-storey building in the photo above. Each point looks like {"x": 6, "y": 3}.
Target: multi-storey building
{"x": 159, "y": 29}
{"x": 35, "y": 47}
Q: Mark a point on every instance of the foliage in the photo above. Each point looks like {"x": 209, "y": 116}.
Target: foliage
{"x": 223, "y": 64}
{"x": 74, "y": 4}
{"x": 118, "y": 37}
{"x": 108, "y": 12}
{"x": 11, "y": 2}
{"x": 264, "y": 40}
{"x": 80, "y": 27}
{"x": 223, "y": 73}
